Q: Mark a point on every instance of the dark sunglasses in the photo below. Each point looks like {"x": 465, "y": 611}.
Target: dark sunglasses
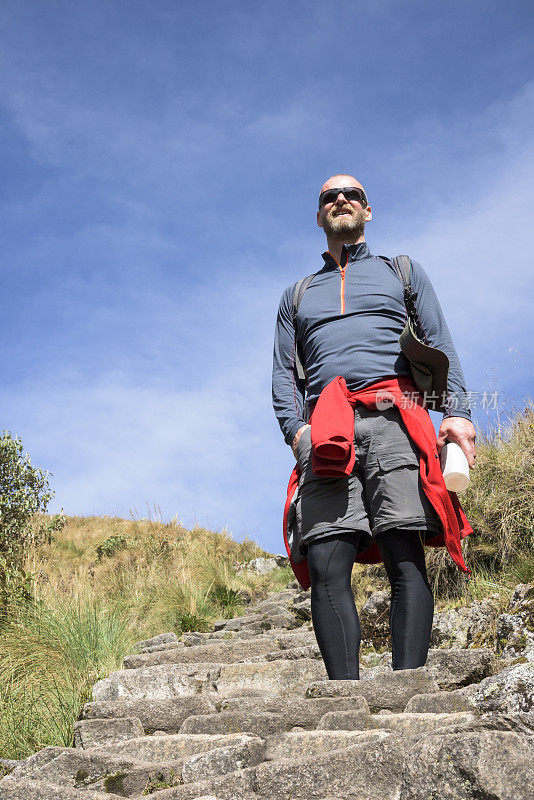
{"x": 349, "y": 192}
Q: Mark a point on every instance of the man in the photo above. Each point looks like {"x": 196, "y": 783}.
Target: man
{"x": 348, "y": 324}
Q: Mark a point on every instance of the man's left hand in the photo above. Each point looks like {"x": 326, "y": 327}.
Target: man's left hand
{"x": 459, "y": 430}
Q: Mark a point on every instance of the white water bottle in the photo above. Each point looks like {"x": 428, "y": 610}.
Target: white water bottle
{"x": 455, "y": 467}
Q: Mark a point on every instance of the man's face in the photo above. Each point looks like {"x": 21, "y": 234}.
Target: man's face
{"x": 343, "y": 218}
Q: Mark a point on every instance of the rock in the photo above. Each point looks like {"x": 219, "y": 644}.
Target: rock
{"x": 159, "y": 648}
{"x": 518, "y": 722}
{"x": 220, "y": 652}
{"x": 260, "y": 565}
{"x": 303, "y": 744}
{"x": 374, "y": 619}
{"x": 7, "y": 765}
{"x": 93, "y": 732}
{"x": 391, "y": 690}
{"x": 162, "y": 638}
{"x": 171, "y": 748}
{"x": 467, "y": 626}
{"x": 165, "y": 715}
{"x": 237, "y": 785}
{"x": 282, "y": 598}
{"x": 261, "y": 723}
{"x": 344, "y": 721}
{"x": 96, "y": 770}
{"x": 246, "y": 712}
{"x": 279, "y": 677}
{"x": 305, "y": 713}
{"x": 440, "y": 703}
{"x": 515, "y": 628}
{"x": 24, "y": 789}
{"x": 158, "y": 683}
{"x": 308, "y": 651}
{"x": 369, "y": 768}
{"x": 453, "y": 668}
{"x": 30, "y": 767}
{"x": 221, "y": 760}
{"x": 414, "y": 723}
{"x": 485, "y": 764}
{"x": 302, "y": 609}
{"x": 508, "y": 691}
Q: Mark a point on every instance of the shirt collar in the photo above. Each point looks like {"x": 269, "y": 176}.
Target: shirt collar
{"x": 349, "y": 253}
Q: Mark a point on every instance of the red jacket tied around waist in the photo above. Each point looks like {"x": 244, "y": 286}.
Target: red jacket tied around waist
{"x": 332, "y": 436}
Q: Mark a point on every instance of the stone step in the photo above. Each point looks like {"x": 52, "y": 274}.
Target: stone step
{"x": 155, "y": 715}
{"x": 104, "y": 770}
{"x": 369, "y": 768}
{"x": 232, "y": 786}
{"x": 94, "y": 732}
{"x": 157, "y": 683}
{"x": 439, "y": 703}
{"x": 390, "y": 690}
{"x": 482, "y": 764}
{"x": 261, "y": 723}
{"x": 30, "y": 767}
{"x": 159, "y": 648}
{"x": 219, "y": 652}
{"x": 161, "y": 638}
{"x": 276, "y": 616}
{"x": 454, "y": 667}
{"x": 172, "y": 747}
{"x": 411, "y": 723}
{"x": 298, "y": 745}
{"x": 25, "y": 789}
{"x": 273, "y": 677}
{"x": 132, "y": 768}
{"x": 222, "y": 760}
{"x": 304, "y": 713}
{"x": 377, "y": 754}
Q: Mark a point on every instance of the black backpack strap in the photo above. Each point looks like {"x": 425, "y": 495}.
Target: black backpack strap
{"x": 403, "y": 266}
{"x": 300, "y": 288}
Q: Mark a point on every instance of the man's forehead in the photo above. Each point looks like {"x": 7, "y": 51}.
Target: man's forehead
{"x": 339, "y": 181}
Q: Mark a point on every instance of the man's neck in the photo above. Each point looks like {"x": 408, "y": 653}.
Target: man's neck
{"x": 335, "y": 246}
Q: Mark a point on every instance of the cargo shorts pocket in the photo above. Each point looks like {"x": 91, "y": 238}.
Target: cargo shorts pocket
{"x": 389, "y": 461}
{"x": 394, "y": 490}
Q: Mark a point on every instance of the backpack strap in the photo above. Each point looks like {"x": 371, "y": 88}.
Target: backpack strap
{"x": 402, "y": 266}
{"x": 300, "y": 288}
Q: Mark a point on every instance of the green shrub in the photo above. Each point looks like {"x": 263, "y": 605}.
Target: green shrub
{"x": 186, "y": 622}
{"x": 110, "y": 546}
{"x": 24, "y": 492}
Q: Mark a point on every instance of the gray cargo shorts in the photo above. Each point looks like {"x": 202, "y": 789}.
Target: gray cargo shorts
{"x": 383, "y": 491}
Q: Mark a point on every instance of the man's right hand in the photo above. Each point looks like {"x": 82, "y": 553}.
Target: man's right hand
{"x": 296, "y": 439}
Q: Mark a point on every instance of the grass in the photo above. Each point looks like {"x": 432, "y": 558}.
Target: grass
{"x": 50, "y": 655}
{"x": 104, "y": 583}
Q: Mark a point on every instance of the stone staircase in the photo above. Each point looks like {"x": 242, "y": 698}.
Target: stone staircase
{"x": 247, "y": 711}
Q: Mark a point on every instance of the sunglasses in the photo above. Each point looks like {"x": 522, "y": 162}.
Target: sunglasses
{"x": 349, "y": 192}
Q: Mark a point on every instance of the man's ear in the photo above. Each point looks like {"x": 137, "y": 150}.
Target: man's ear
{"x": 368, "y": 214}
{"x": 319, "y": 220}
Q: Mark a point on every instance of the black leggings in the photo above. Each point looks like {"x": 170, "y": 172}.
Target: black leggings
{"x": 334, "y": 615}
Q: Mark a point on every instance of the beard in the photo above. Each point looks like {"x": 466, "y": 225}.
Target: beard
{"x": 345, "y": 227}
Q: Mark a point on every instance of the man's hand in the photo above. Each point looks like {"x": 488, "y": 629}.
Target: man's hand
{"x": 297, "y": 437}
{"x": 462, "y": 431}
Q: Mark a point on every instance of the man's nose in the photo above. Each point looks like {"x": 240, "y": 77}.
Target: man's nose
{"x": 342, "y": 200}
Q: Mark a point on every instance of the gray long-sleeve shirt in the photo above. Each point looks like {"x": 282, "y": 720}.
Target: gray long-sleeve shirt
{"x": 348, "y": 323}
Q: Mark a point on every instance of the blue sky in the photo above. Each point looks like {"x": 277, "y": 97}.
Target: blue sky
{"x": 161, "y": 163}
